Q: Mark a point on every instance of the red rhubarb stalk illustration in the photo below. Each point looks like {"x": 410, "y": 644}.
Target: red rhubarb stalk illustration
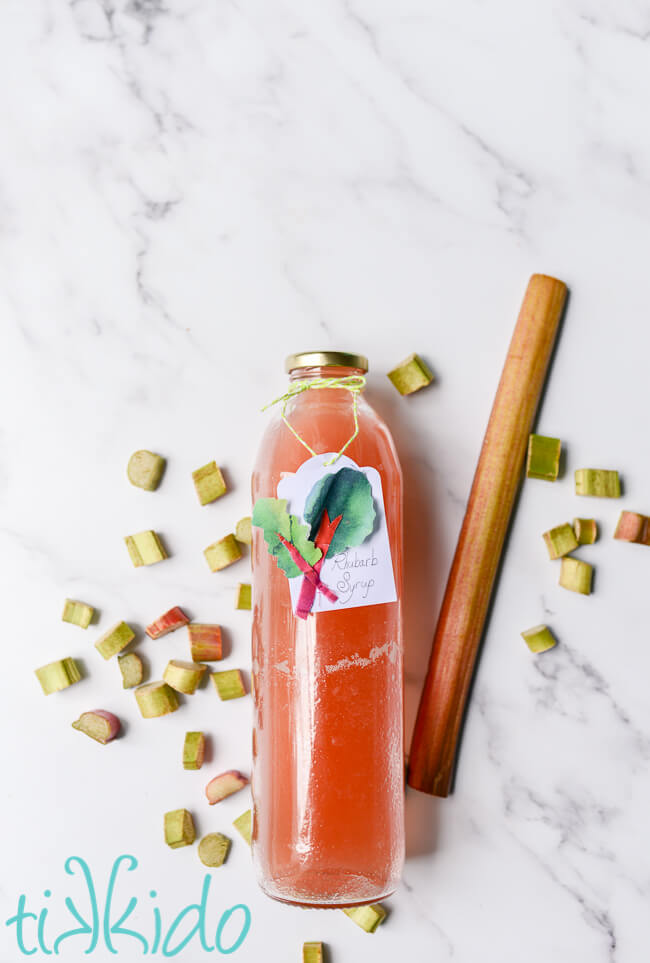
{"x": 310, "y": 572}
{"x": 308, "y": 588}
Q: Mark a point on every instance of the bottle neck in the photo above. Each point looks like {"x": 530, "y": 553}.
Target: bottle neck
{"x": 337, "y": 387}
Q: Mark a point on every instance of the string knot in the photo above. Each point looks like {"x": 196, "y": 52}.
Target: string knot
{"x": 352, "y": 383}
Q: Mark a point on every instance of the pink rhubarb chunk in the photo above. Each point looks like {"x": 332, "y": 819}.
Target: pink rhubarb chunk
{"x": 225, "y": 785}
{"x": 100, "y": 724}
{"x": 633, "y": 527}
{"x": 205, "y": 642}
{"x": 168, "y": 622}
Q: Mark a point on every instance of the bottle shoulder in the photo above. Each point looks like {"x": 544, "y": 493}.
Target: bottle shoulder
{"x": 325, "y": 425}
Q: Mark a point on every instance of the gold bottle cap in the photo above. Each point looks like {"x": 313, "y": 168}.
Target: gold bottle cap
{"x": 322, "y": 359}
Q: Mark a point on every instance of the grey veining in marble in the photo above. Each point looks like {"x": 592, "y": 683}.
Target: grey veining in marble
{"x": 189, "y": 191}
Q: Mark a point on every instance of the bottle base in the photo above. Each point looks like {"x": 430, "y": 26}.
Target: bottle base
{"x": 325, "y": 890}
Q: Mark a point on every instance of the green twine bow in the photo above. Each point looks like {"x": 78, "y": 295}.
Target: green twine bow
{"x": 352, "y": 383}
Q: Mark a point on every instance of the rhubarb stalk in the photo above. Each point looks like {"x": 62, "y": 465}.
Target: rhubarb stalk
{"x": 473, "y": 571}
{"x": 308, "y": 588}
{"x": 309, "y": 571}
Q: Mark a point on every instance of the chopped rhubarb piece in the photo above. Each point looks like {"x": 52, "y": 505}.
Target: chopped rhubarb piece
{"x": 243, "y": 825}
{"x": 168, "y": 622}
{"x": 229, "y": 684}
{"x": 56, "y": 676}
{"x": 131, "y": 668}
{"x": 205, "y": 642}
{"x": 244, "y": 596}
{"x": 183, "y": 676}
{"x": 100, "y": 725}
{"x": 367, "y": 917}
{"x": 598, "y": 482}
{"x": 244, "y": 530}
{"x": 145, "y": 548}
{"x": 145, "y": 469}
{"x": 575, "y": 575}
{"x": 222, "y": 553}
{"x": 633, "y": 527}
{"x": 543, "y": 457}
{"x": 411, "y": 374}
{"x": 586, "y": 530}
{"x": 539, "y": 639}
{"x": 213, "y": 849}
{"x": 193, "y": 750}
{"x": 209, "y": 483}
{"x": 179, "y": 828}
{"x": 78, "y": 613}
{"x": 225, "y": 785}
{"x": 115, "y": 640}
{"x": 156, "y": 699}
{"x": 312, "y": 953}
{"x": 560, "y": 541}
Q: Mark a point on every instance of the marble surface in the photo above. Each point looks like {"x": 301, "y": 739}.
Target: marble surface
{"x": 191, "y": 190}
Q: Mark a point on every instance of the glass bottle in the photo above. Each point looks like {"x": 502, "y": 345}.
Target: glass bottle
{"x": 328, "y": 764}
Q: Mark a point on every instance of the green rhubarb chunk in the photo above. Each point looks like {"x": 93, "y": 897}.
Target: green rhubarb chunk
{"x": 560, "y": 540}
{"x": 229, "y": 684}
{"x": 633, "y": 527}
{"x": 179, "y": 828}
{"x": 209, "y": 483}
{"x": 115, "y": 640}
{"x": 586, "y": 530}
{"x": 244, "y": 530}
{"x": 193, "y": 750}
{"x": 543, "y": 457}
{"x": 131, "y": 668}
{"x": 367, "y": 917}
{"x": 156, "y": 699}
{"x": 243, "y": 825}
{"x": 56, "y": 676}
{"x": 539, "y": 639}
{"x": 183, "y": 676}
{"x": 145, "y": 548}
{"x": 100, "y": 725}
{"x": 222, "y": 553}
{"x": 244, "y": 596}
{"x": 598, "y": 482}
{"x": 77, "y": 613}
{"x": 576, "y": 575}
{"x": 312, "y": 953}
{"x": 213, "y": 849}
{"x": 411, "y": 374}
{"x": 145, "y": 469}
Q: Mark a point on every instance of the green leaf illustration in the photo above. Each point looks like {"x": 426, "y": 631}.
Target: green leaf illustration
{"x": 348, "y": 493}
{"x": 270, "y": 514}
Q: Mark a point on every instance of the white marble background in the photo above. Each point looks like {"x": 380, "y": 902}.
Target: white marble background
{"x": 191, "y": 189}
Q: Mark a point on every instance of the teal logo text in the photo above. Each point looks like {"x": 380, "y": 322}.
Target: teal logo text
{"x": 103, "y": 918}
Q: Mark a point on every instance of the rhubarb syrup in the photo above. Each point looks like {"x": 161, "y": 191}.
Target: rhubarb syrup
{"x": 328, "y": 764}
